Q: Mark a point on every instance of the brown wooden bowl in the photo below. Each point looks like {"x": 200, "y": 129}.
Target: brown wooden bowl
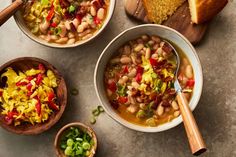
{"x": 84, "y": 128}
{"x": 23, "y": 64}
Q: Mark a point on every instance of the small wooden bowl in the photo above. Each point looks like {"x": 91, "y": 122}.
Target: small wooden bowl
{"x": 23, "y": 64}
{"x": 84, "y": 128}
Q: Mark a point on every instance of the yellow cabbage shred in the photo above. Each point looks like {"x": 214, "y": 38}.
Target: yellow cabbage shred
{"x": 15, "y": 97}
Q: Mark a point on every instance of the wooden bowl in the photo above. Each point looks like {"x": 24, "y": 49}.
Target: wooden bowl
{"x": 81, "y": 126}
{"x": 23, "y": 64}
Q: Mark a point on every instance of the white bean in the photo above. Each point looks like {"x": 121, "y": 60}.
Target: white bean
{"x": 93, "y": 11}
{"x": 176, "y": 113}
{"x": 109, "y": 92}
{"x": 71, "y": 35}
{"x": 139, "y": 47}
{"x": 132, "y": 73}
{"x": 132, "y": 108}
{"x": 125, "y": 60}
{"x": 67, "y": 25}
{"x": 148, "y": 53}
{"x": 155, "y": 56}
{"x": 85, "y": 32}
{"x": 151, "y": 42}
{"x": 145, "y": 37}
{"x": 123, "y": 80}
{"x": 87, "y": 36}
{"x": 71, "y": 41}
{"x": 54, "y": 37}
{"x": 62, "y": 40}
{"x": 189, "y": 71}
{"x": 101, "y": 13}
{"x": 80, "y": 28}
{"x": 44, "y": 26}
{"x": 135, "y": 85}
{"x": 160, "y": 110}
{"x": 174, "y": 105}
{"x": 75, "y": 23}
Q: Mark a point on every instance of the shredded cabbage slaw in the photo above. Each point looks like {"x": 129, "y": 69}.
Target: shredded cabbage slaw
{"x": 29, "y": 96}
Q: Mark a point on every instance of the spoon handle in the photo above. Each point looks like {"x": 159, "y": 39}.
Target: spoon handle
{"x": 195, "y": 139}
{"x": 9, "y": 11}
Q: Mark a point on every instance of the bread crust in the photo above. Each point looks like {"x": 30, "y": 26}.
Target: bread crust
{"x": 207, "y": 9}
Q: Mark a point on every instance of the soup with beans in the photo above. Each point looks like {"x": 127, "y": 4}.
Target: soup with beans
{"x": 139, "y": 81}
{"x": 65, "y": 21}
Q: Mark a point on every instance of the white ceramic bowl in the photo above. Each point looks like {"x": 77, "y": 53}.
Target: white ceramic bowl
{"x": 132, "y": 33}
{"x": 20, "y": 22}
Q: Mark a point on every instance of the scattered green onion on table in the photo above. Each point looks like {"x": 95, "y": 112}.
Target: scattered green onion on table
{"x": 76, "y": 143}
{"x": 95, "y": 113}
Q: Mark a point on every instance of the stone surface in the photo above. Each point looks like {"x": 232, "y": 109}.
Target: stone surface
{"x": 215, "y": 113}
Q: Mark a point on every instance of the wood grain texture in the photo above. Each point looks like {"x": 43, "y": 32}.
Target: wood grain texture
{"x": 180, "y": 20}
{"x": 23, "y": 64}
{"x": 9, "y": 11}
{"x": 195, "y": 139}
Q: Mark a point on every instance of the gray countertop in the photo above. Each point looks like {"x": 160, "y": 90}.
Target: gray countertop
{"x": 215, "y": 113}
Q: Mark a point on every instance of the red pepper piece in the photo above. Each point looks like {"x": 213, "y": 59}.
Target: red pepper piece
{"x": 38, "y": 107}
{"x": 125, "y": 70}
{"x": 10, "y": 115}
{"x": 29, "y": 78}
{"x": 96, "y": 20}
{"x": 53, "y": 106}
{"x": 112, "y": 86}
{"x": 1, "y": 93}
{"x": 51, "y": 13}
{"x": 21, "y": 83}
{"x": 190, "y": 83}
{"x": 51, "y": 96}
{"x": 41, "y": 67}
{"x": 153, "y": 62}
{"x": 79, "y": 17}
{"x": 39, "y": 79}
{"x": 53, "y": 24}
{"x": 138, "y": 77}
{"x": 122, "y": 99}
{"x": 29, "y": 86}
{"x": 29, "y": 93}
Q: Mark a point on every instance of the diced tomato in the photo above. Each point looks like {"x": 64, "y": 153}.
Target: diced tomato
{"x": 39, "y": 79}
{"x": 21, "y": 83}
{"x": 96, "y": 20}
{"x": 153, "y": 62}
{"x": 112, "y": 86}
{"x": 29, "y": 86}
{"x": 41, "y": 67}
{"x": 190, "y": 83}
{"x": 53, "y": 106}
{"x": 140, "y": 69}
{"x": 51, "y": 13}
{"x": 122, "y": 99}
{"x": 125, "y": 70}
{"x": 138, "y": 77}
{"x": 53, "y": 24}
{"x": 51, "y": 96}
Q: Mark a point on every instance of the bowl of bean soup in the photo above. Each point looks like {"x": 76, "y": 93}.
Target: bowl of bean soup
{"x": 135, "y": 74}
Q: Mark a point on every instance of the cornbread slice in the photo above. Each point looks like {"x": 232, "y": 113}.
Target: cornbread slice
{"x": 159, "y": 10}
{"x": 204, "y": 10}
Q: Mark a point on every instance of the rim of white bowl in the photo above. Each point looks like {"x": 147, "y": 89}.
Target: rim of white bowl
{"x": 26, "y": 31}
{"x": 137, "y": 127}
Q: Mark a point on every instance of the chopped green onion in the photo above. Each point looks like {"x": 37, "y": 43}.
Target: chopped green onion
{"x": 86, "y": 145}
{"x": 93, "y": 120}
{"x": 96, "y": 112}
{"x": 100, "y": 109}
{"x": 69, "y": 142}
{"x": 79, "y": 150}
{"x": 71, "y": 9}
{"x": 68, "y": 151}
{"x": 79, "y": 139}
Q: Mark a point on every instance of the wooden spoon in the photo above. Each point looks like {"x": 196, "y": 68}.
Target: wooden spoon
{"x": 195, "y": 139}
{"x": 10, "y": 10}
